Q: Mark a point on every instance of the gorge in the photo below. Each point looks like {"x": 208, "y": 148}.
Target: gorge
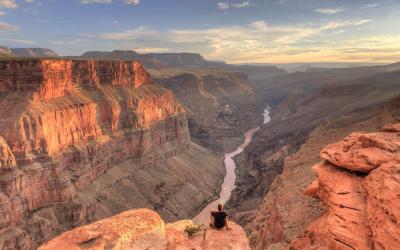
{"x": 83, "y": 140}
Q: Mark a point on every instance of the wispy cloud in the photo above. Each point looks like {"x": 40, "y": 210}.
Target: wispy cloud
{"x": 132, "y": 2}
{"x": 8, "y": 4}
{"x": 7, "y": 27}
{"x": 12, "y": 42}
{"x": 330, "y": 11}
{"x": 2, "y": 13}
{"x": 227, "y": 5}
{"x": 232, "y": 43}
{"x": 151, "y": 50}
{"x": 95, "y": 1}
{"x": 370, "y": 6}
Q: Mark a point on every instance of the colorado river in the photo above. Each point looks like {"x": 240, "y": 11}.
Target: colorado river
{"x": 229, "y": 181}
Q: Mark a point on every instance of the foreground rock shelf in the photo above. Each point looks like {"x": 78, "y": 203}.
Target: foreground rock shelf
{"x": 144, "y": 229}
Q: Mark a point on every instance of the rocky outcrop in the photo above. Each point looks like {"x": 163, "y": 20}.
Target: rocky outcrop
{"x": 80, "y": 136}
{"x": 144, "y": 229}
{"x": 285, "y": 212}
{"x": 7, "y": 159}
{"x": 359, "y": 185}
{"x": 134, "y": 229}
{"x": 33, "y": 52}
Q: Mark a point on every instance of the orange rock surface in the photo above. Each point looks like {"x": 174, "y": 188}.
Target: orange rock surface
{"x": 359, "y": 183}
{"x": 134, "y": 229}
{"x": 63, "y": 123}
{"x": 144, "y": 229}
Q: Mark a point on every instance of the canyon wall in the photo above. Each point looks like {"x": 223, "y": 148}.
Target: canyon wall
{"x": 77, "y": 135}
{"x": 220, "y": 105}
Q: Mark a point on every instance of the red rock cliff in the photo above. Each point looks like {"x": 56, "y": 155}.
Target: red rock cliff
{"x": 66, "y": 122}
{"x": 50, "y": 78}
{"x": 359, "y": 183}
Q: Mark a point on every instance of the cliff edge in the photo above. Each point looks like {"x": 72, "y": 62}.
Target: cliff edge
{"x": 359, "y": 185}
{"x": 144, "y": 229}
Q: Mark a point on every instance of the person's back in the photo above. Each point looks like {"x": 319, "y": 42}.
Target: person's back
{"x": 219, "y": 219}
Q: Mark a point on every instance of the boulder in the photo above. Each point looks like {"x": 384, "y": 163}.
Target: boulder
{"x": 134, "y": 229}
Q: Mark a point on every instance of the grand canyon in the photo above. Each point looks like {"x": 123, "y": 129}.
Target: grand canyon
{"x": 128, "y": 139}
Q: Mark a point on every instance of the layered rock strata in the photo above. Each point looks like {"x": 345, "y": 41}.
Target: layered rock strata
{"x": 144, "y": 229}
{"x": 64, "y": 124}
{"x": 359, "y": 184}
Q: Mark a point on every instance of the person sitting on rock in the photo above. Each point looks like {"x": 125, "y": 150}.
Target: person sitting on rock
{"x": 219, "y": 219}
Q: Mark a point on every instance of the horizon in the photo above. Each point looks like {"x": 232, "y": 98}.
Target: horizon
{"x": 235, "y": 31}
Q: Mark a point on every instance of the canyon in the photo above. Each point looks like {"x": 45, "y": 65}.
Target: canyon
{"x": 86, "y": 138}
{"x": 83, "y": 140}
{"x": 309, "y": 111}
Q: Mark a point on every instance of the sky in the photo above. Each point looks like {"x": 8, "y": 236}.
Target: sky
{"x": 235, "y": 31}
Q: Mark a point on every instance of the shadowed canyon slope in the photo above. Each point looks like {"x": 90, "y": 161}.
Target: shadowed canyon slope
{"x": 311, "y": 110}
{"x": 83, "y": 140}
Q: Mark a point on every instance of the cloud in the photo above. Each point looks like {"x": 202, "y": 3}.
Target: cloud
{"x": 15, "y": 41}
{"x": 233, "y": 43}
{"x": 330, "y": 11}
{"x": 2, "y": 13}
{"x": 95, "y": 1}
{"x": 133, "y": 2}
{"x": 11, "y": 4}
{"x": 223, "y": 6}
{"x": 151, "y": 50}
{"x": 241, "y": 5}
{"x": 370, "y": 6}
{"x": 7, "y": 27}
{"x": 227, "y": 5}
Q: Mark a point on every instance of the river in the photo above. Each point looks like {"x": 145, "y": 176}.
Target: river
{"x": 230, "y": 178}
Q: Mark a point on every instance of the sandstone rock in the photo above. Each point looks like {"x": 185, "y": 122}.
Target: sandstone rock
{"x": 383, "y": 206}
{"x": 363, "y": 152}
{"x": 66, "y": 123}
{"x": 211, "y": 239}
{"x": 134, "y": 229}
{"x": 144, "y": 229}
{"x": 362, "y": 211}
{"x": 233, "y": 239}
{"x": 7, "y": 159}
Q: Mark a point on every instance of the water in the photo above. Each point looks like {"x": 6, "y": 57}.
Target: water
{"x": 230, "y": 178}
{"x": 267, "y": 112}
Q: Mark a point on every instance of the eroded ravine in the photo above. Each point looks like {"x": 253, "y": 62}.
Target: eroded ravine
{"x": 230, "y": 178}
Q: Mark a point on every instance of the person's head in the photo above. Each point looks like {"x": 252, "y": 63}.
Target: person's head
{"x": 220, "y": 207}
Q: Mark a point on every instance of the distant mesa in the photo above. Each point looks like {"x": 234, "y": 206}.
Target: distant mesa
{"x": 152, "y": 60}
{"x": 27, "y": 52}
{"x": 33, "y": 52}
